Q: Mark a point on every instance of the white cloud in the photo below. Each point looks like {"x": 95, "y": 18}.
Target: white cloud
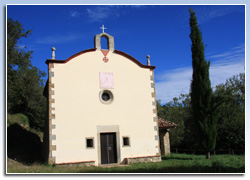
{"x": 101, "y": 13}
{"x": 220, "y": 72}
{"x": 74, "y": 13}
{"x": 56, "y": 39}
{"x": 175, "y": 82}
{"x": 104, "y": 12}
{"x": 207, "y": 13}
{"x": 232, "y": 55}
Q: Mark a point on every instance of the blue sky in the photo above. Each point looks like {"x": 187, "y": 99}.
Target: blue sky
{"x": 162, "y": 31}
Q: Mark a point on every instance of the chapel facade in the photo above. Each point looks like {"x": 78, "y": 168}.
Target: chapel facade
{"x": 101, "y": 108}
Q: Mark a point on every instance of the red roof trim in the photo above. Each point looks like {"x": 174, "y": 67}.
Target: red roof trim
{"x": 71, "y": 57}
{"x": 134, "y": 60}
{"x": 94, "y": 49}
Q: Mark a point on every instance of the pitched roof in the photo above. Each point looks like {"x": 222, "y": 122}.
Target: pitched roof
{"x": 162, "y": 123}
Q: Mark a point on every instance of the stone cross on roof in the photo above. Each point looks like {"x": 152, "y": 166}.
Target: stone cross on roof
{"x": 103, "y": 28}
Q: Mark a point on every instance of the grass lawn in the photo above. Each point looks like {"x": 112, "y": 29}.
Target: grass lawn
{"x": 173, "y": 163}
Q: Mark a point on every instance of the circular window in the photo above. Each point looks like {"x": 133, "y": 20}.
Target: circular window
{"x": 106, "y": 97}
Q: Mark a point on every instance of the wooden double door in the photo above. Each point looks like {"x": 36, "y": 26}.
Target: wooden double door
{"x": 108, "y": 148}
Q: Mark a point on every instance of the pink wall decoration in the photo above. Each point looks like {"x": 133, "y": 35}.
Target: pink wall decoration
{"x": 106, "y": 80}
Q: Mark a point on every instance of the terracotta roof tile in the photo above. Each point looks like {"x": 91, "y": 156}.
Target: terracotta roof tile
{"x": 165, "y": 124}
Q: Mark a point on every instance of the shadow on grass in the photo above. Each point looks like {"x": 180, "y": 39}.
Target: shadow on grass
{"x": 178, "y": 169}
{"x": 175, "y": 158}
{"x": 183, "y": 166}
{"x": 23, "y": 146}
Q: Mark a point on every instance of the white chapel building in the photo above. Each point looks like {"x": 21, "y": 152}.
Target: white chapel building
{"x": 101, "y": 108}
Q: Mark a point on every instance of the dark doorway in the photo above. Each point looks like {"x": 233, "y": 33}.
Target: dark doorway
{"x": 108, "y": 148}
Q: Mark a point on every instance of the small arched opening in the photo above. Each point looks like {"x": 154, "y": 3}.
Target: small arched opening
{"x": 104, "y": 42}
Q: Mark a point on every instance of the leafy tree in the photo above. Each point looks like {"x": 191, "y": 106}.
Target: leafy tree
{"x": 24, "y": 81}
{"x": 15, "y": 58}
{"x": 177, "y": 111}
{"x": 231, "y": 117}
{"x": 160, "y": 110}
{"x": 201, "y": 92}
{"x": 231, "y": 123}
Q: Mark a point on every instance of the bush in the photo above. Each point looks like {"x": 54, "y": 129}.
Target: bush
{"x": 19, "y": 118}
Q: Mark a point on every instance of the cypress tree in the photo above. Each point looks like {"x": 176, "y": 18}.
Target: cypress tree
{"x": 201, "y": 91}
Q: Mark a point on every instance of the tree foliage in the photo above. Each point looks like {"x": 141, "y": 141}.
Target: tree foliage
{"x": 177, "y": 111}
{"x": 231, "y": 124}
{"x": 24, "y": 81}
{"x": 202, "y": 103}
{"x": 230, "y": 112}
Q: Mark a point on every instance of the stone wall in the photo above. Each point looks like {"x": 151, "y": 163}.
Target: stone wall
{"x": 143, "y": 159}
{"x": 86, "y": 163}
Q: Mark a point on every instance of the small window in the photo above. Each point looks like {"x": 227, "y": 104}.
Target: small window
{"x": 126, "y": 141}
{"x": 106, "y": 96}
{"x": 90, "y": 142}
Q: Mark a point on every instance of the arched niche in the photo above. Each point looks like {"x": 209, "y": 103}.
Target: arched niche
{"x": 110, "y": 41}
